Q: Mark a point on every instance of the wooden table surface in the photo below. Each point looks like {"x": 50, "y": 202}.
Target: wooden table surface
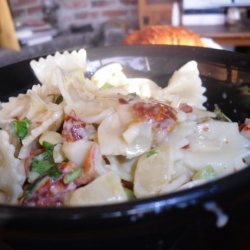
{"x": 238, "y": 35}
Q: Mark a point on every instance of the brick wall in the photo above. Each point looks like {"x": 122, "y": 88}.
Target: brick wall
{"x": 23, "y": 10}
{"x": 78, "y": 12}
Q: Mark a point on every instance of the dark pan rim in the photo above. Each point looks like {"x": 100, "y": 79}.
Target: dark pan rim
{"x": 187, "y": 52}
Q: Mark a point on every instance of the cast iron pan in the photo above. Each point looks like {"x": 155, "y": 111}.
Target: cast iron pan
{"x": 226, "y": 76}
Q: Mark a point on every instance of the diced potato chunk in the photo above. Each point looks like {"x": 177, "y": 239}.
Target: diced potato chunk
{"x": 105, "y": 189}
{"x": 76, "y": 151}
{"x": 51, "y": 137}
{"x": 151, "y": 172}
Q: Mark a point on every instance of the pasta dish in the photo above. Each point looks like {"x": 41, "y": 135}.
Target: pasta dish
{"x": 73, "y": 140}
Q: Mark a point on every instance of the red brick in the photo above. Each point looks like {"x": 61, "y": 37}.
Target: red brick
{"x": 82, "y": 15}
{"x": 17, "y": 12}
{"x": 33, "y": 22}
{"x": 157, "y": 1}
{"x": 35, "y": 10}
{"x": 74, "y": 4}
{"x": 134, "y": 12}
{"x": 134, "y": 2}
{"x": 85, "y": 15}
{"x": 102, "y": 3}
{"x": 115, "y": 13}
{"x": 23, "y": 2}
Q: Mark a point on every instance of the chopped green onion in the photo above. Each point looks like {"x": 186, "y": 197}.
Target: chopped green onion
{"x": 54, "y": 173}
{"x": 72, "y": 175}
{"x": 21, "y": 128}
{"x": 151, "y": 152}
{"x": 48, "y": 146}
{"x": 206, "y": 173}
{"x": 106, "y": 86}
{"x": 41, "y": 163}
{"x": 130, "y": 194}
{"x": 44, "y": 161}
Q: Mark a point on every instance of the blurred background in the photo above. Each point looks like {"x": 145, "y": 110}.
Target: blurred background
{"x": 38, "y": 27}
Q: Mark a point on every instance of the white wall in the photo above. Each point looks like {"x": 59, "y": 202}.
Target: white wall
{"x": 202, "y": 4}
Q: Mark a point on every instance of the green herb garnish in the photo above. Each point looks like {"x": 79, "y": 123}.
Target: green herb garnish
{"x": 106, "y": 86}
{"x": 206, "y": 173}
{"x": 72, "y": 175}
{"x": 21, "y": 128}
{"x": 44, "y": 161}
{"x": 151, "y": 152}
{"x": 130, "y": 194}
{"x": 48, "y": 146}
{"x": 54, "y": 173}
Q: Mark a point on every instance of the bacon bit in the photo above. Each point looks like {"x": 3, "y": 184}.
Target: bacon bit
{"x": 156, "y": 111}
{"x": 244, "y": 127}
{"x": 186, "y": 146}
{"x": 127, "y": 184}
{"x": 51, "y": 193}
{"x": 66, "y": 167}
{"x": 122, "y": 101}
{"x": 89, "y": 162}
{"x": 73, "y": 128}
{"x": 162, "y": 114}
{"x": 185, "y": 108}
{"x": 39, "y": 123}
{"x": 205, "y": 129}
{"x": 57, "y": 187}
{"x": 89, "y": 166}
{"x": 28, "y": 160}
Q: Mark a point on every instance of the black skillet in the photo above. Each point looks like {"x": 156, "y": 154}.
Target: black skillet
{"x": 226, "y": 75}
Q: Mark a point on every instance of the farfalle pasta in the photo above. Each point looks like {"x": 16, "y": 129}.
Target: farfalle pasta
{"x": 74, "y": 140}
{"x": 12, "y": 171}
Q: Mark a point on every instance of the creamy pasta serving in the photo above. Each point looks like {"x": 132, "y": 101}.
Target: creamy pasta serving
{"x": 74, "y": 140}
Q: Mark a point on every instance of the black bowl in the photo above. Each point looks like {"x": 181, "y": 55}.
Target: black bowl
{"x": 226, "y": 76}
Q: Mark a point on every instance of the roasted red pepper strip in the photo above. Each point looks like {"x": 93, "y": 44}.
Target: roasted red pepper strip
{"x": 89, "y": 166}
{"x": 245, "y": 127}
{"x": 162, "y": 115}
{"x": 185, "y": 108}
